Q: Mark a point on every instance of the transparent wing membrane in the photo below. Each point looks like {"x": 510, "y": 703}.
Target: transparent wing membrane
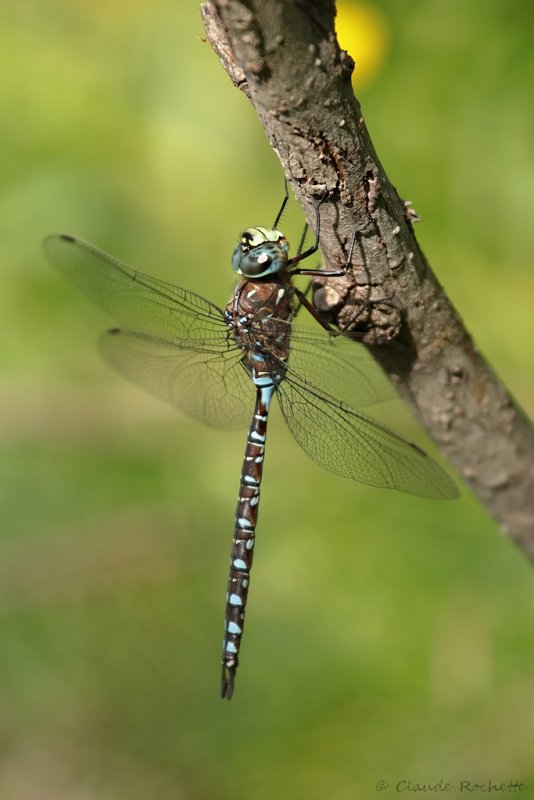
{"x": 135, "y": 300}
{"x": 178, "y": 345}
{"x": 340, "y": 366}
{"x": 212, "y": 387}
{"x": 350, "y": 444}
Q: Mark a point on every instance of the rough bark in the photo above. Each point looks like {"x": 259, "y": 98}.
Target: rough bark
{"x": 285, "y": 57}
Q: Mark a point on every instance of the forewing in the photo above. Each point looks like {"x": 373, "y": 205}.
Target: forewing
{"x": 137, "y": 301}
{"x": 334, "y": 363}
{"x": 352, "y": 445}
{"x": 176, "y": 343}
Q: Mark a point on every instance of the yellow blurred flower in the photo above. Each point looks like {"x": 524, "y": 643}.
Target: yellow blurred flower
{"x": 362, "y": 31}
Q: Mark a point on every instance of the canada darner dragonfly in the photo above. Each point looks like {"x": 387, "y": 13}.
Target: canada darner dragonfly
{"x": 220, "y": 365}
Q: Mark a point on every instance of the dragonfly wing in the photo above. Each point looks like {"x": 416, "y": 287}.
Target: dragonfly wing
{"x": 350, "y": 444}
{"x": 137, "y": 301}
{"x": 212, "y": 387}
{"x": 334, "y": 363}
{"x": 175, "y": 342}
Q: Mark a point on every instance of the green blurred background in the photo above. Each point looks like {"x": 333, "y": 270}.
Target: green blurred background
{"x": 388, "y": 637}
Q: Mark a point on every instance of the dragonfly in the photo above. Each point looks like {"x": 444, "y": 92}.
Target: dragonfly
{"x": 223, "y": 366}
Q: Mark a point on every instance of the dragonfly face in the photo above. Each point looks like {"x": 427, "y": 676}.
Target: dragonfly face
{"x": 260, "y": 252}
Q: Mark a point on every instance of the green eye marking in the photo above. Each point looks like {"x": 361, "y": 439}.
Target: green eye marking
{"x": 260, "y": 252}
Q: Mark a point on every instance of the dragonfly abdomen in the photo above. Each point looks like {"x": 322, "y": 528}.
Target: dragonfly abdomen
{"x": 244, "y": 535}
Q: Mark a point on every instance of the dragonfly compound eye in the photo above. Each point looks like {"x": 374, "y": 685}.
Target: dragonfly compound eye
{"x": 260, "y": 252}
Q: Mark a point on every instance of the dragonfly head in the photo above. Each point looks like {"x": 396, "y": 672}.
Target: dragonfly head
{"x": 260, "y": 252}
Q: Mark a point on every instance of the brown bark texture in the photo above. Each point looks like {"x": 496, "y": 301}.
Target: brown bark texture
{"x": 285, "y": 57}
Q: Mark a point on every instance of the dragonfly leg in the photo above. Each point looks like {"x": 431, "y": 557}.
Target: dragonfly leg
{"x": 302, "y": 296}
{"x": 366, "y": 304}
{"x": 282, "y": 207}
{"x": 303, "y": 301}
{"x": 324, "y": 273}
{"x": 310, "y": 282}
{"x": 302, "y": 254}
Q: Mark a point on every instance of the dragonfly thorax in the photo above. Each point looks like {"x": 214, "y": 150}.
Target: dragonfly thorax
{"x": 260, "y": 252}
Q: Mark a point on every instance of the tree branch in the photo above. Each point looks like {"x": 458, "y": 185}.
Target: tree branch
{"x": 285, "y": 57}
